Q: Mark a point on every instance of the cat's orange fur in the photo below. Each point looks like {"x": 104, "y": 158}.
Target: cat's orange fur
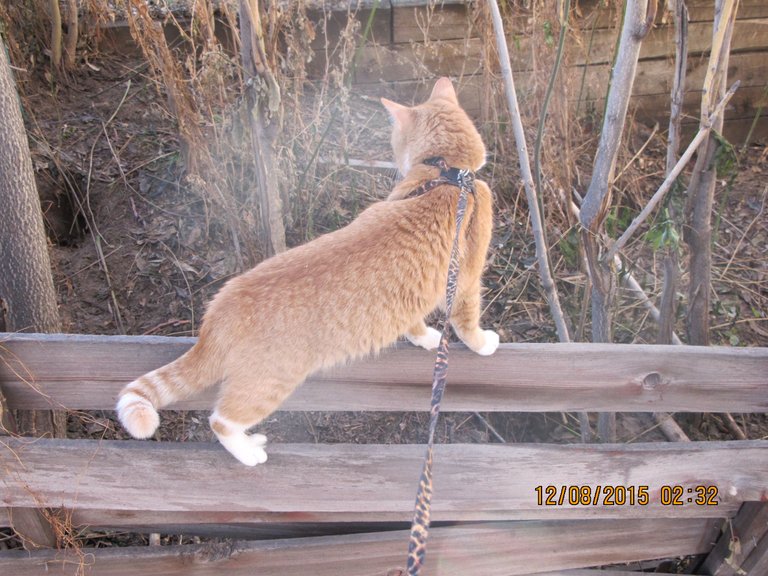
{"x": 344, "y": 295}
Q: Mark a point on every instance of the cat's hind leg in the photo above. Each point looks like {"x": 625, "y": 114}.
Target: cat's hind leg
{"x": 248, "y": 448}
{"x": 422, "y": 335}
{"x": 243, "y": 403}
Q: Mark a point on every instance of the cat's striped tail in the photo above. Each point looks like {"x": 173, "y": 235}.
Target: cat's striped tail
{"x": 139, "y": 401}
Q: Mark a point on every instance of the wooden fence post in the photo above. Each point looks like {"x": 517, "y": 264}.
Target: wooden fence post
{"x": 29, "y": 524}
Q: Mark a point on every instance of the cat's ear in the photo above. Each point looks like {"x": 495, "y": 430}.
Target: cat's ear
{"x": 397, "y": 112}
{"x": 444, "y": 89}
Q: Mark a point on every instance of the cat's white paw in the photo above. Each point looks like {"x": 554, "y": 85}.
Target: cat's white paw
{"x": 258, "y": 439}
{"x": 248, "y": 448}
{"x": 428, "y": 341}
{"x": 491, "y": 343}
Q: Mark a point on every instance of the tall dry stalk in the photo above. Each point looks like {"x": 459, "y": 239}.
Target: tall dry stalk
{"x": 537, "y": 225}
{"x": 701, "y": 190}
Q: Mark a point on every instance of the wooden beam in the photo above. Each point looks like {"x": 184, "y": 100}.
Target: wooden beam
{"x": 495, "y": 549}
{"x": 348, "y": 482}
{"x": 698, "y": 11}
{"x": 30, "y": 524}
{"x": 87, "y": 372}
{"x": 595, "y": 572}
{"x": 415, "y": 60}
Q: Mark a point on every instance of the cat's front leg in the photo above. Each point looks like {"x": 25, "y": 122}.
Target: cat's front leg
{"x": 466, "y": 323}
{"x": 422, "y": 335}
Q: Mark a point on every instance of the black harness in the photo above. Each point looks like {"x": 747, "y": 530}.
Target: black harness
{"x": 462, "y": 179}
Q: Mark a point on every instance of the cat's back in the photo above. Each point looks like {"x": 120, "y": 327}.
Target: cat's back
{"x": 380, "y": 272}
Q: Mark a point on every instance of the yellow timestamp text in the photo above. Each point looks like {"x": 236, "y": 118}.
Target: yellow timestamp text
{"x": 610, "y": 495}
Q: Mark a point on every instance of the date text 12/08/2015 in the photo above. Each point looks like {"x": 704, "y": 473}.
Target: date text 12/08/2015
{"x": 672, "y": 495}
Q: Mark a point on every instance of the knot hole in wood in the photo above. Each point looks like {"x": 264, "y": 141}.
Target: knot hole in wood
{"x": 652, "y": 381}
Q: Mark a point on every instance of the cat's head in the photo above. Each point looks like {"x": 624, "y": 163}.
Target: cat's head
{"x": 438, "y": 127}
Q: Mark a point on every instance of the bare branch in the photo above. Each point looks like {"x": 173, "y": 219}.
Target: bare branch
{"x": 597, "y": 201}
{"x": 545, "y": 273}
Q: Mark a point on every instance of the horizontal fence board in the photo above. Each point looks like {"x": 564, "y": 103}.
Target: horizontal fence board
{"x": 594, "y": 572}
{"x": 655, "y": 106}
{"x": 87, "y": 372}
{"x": 415, "y": 60}
{"x": 498, "y": 549}
{"x": 448, "y": 22}
{"x": 342, "y": 482}
{"x": 698, "y": 11}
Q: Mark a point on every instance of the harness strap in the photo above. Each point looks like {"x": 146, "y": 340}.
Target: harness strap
{"x": 452, "y": 176}
{"x": 465, "y": 181}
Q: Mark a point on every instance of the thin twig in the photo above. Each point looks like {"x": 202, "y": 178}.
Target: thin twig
{"x": 637, "y": 154}
{"x": 733, "y": 427}
{"x": 632, "y": 284}
{"x": 490, "y": 428}
{"x": 756, "y": 219}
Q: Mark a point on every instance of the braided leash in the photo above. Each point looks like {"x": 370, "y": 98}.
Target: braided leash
{"x": 465, "y": 181}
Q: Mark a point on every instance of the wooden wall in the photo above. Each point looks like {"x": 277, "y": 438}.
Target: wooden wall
{"x": 406, "y": 49}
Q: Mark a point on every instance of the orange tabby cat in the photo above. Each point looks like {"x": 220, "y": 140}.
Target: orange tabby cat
{"x": 344, "y": 295}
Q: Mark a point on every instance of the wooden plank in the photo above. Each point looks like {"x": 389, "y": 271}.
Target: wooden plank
{"x": 343, "y": 482}
{"x": 498, "y": 549}
{"x": 87, "y": 372}
{"x": 30, "y": 524}
{"x": 452, "y": 20}
{"x": 652, "y": 104}
{"x": 748, "y": 528}
{"x": 330, "y": 22}
{"x": 698, "y": 11}
{"x": 655, "y": 76}
{"x": 412, "y": 61}
{"x": 757, "y": 563}
{"x": 738, "y": 116}
{"x": 594, "y": 572}
{"x": 419, "y": 23}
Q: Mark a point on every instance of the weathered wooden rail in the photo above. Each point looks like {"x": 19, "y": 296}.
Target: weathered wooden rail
{"x": 344, "y": 508}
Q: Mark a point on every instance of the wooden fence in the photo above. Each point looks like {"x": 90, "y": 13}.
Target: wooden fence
{"x": 343, "y": 509}
{"x": 412, "y": 42}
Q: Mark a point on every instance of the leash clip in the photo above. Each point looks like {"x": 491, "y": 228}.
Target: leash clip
{"x": 466, "y": 179}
